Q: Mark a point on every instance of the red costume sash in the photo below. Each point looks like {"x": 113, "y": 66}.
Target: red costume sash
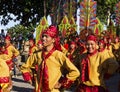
{"x": 85, "y": 66}
{"x": 4, "y": 79}
{"x": 44, "y": 78}
{"x": 85, "y": 69}
{"x": 30, "y": 49}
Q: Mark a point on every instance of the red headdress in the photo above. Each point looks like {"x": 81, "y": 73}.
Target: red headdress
{"x": 91, "y": 37}
{"x": 32, "y": 40}
{"x": 53, "y": 32}
{"x": 72, "y": 42}
{"x": 39, "y": 42}
{"x": 101, "y": 41}
{"x": 8, "y": 38}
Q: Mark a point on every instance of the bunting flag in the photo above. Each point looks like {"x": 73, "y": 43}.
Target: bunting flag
{"x": 87, "y": 14}
{"x": 41, "y": 27}
{"x": 64, "y": 26}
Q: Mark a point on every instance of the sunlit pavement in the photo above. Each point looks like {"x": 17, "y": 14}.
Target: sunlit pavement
{"x": 19, "y": 85}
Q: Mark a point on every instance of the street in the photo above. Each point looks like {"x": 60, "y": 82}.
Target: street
{"x": 19, "y": 85}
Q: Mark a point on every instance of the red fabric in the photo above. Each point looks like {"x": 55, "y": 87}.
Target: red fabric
{"x": 91, "y": 37}
{"x": 31, "y": 40}
{"x": 39, "y": 42}
{"x": 72, "y": 43}
{"x": 7, "y": 46}
{"x": 10, "y": 64}
{"x": 5, "y": 52}
{"x": 53, "y": 32}
{"x": 36, "y": 67}
{"x": 108, "y": 46}
{"x": 4, "y": 79}
{"x": 84, "y": 88}
{"x": 66, "y": 83}
{"x": 85, "y": 69}
{"x": 102, "y": 41}
{"x": 101, "y": 50}
{"x": 66, "y": 46}
{"x": 30, "y": 49}
{"x": 70, "y": 56}
{"x": 27, "y": 76}
{"x": 7, "y": 38}
{"x": 44, "y": 77}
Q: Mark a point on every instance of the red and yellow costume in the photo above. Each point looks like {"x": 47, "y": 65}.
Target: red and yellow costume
{"x": 12, "y": 52}
{"x": 51, "y": 66}
{"x": 116, "y": 50}
{"x": 4, "y": 76}
{"x": 73, "y": 53}
{"x": 32, "y": 48}
{"x": 93, "y": 66}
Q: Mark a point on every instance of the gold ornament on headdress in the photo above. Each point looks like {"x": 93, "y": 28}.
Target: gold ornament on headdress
{"x": 41, "y": 27}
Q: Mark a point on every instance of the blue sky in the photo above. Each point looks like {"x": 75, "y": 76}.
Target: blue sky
{"x": 10, "y": 24}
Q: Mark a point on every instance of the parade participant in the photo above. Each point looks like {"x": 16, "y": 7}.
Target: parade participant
{"x": 104, "y": 51}
{"x": 12, "y": 52}
{"x": 51, "y": 62}
{"x": 109, "y": 47}
{"x": 93, "y": 66}
{"x": 73, "y": 53}
{"x": 116, "y": 49}
{"x": 32, "y": 47}
{"x": 81, "y": 47}
{"x": 35, "y": 68}
{"x": 4, "y": 55}
{"x": 4, "y": 76}
{"x": 65, "y": 44}
{"x": 101, "y": 45}
{"x": 39, "y": 45}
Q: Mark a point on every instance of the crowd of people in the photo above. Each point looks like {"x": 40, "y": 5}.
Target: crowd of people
{"x": 55, "y": 66}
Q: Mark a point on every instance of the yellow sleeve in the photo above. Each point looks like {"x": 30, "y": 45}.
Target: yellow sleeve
{"x": 109, "y": 63}
{"x": 4, "y": 69}
{"x": 15, "y": 51}
{"x": 4, "y": 57}
{"x": 4, "y": 74}
{"x": 26, "y": 67}
{"x": 34, "y": 49}
{"x": 73, "y": 72}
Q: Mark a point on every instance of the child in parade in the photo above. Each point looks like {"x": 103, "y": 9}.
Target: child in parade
{"x": 12, "y": 53}
{"x": 116, "y": 49}
{"x": 32, "y": 47}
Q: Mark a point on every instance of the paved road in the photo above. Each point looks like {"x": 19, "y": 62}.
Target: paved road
{"x": 19, "y": 85}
